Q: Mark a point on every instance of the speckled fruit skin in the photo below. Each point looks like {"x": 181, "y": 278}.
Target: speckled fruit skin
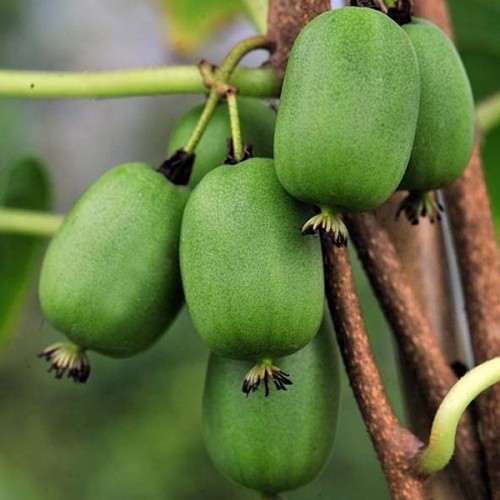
{"x": 253, "y": 284}
{"x": 257, "y": 121}
{"x": 445, "y": 127}
{"x": 110, "y": 279}
{"x": 348, "y": 110}
{"x": 278, "y": 443}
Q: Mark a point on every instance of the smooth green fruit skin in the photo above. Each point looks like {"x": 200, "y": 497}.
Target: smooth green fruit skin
{"x": 257, "y": 121}
{"x": 283, "y": 441}
{"x": 348, "y": 110}
{"x": 445, "y": 127}
{"x": 110, "y": 279}
{"x": 253, "y": 284}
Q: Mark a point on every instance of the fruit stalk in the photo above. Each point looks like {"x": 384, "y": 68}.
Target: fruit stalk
{"x": 415, "y": 338}
{"x": 234, "y": 118}
{"x": 218, "y": 80}
{"x": 396, "y": 447}
{"x": 255, "y": 82}
{"x": 479, "y": 262}
{"x": 197, "y": 134}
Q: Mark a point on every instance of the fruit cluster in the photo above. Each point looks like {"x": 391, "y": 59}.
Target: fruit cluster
{"x": 367, "y": 107}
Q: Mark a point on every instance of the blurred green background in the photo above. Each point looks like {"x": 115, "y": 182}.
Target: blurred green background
{"x": 133, "y": 431}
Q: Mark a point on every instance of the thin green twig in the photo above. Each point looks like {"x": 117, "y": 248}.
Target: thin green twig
{"x": 442, "y": 439}
{"x": 234, "y": 119}
{"x": 256, "y": 82}
{"x": 28, "y": 222}
{"x": 208, "y": 111}
{"x": 227, "y": 68}
{"x": 220, "y": 82}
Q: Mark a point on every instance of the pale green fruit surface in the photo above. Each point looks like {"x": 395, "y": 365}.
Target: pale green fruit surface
{"x": 348, "y": 110}
{"x": 283, "y": 441}
{"x": 110, "y": 280}
{"x": 445, "y": 127}
{"x": 253, "y": 284}
{"x": 257, "y": 122}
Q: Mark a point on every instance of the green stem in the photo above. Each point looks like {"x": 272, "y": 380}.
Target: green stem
{"x": 208, "y": 111}
{"x": 257, "y": 11}
{"x": 221, "y": 83}
{"x": 234, "y": 119}
{"x": 28, "y": 222}
{"x": 488, "y": 112}
{"x": 256, "y": 82}
{"x": 442, "y": 439}
{"x": 236, "y": 54}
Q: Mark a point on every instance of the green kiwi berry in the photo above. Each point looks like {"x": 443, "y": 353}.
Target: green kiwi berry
{"x": 445, "y": 128}
{"x": 274, "y": 444}
{"x": 110, "y": 280}
{"x": 347, "y": 114}
{"x": 253, "y": 285}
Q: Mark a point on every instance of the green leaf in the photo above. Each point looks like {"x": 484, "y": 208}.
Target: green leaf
{"x": 477, "y": 33}
{"x": 491, "y": 163}
{"x": 190, "y": 23}
{"x": 256, "y": 11}
{"x": 23, "y": 184}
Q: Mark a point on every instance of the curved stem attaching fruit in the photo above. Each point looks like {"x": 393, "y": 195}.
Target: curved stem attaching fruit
{"x": 442, "y": 439}
{"x": 330, "y": 224}
{"x": 420, "y": 204}
{"x": 28, "y": 222}
{"x": 234, "y": 119}
{"x": 218, "y": 80}
{"x": 255, "y": 82}
{"x": 265, "y": 371}
{"x": 208, "y": 111}
{"x": 67, "y": 358}
{"x": 236, "y": 54}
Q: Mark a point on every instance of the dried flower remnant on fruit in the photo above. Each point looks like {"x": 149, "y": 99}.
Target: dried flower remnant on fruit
{"x": 231, "y": 157}
{"x": 420, "y": 204}
{"x": 330, "y": 224}
{"x": 178, "y": 167}
{"x": 67, "y": 359}
{"x": 265, "y": 372}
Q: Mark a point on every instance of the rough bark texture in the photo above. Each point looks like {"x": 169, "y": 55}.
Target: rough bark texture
{"x": 479, "y": 260}
{"x": 479, "y": 263}
{"x": 395, "y": 446}
{"x": 286, "y": 19}
{"x": 416, "y": 340}
{"x": 423, "y": 254}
